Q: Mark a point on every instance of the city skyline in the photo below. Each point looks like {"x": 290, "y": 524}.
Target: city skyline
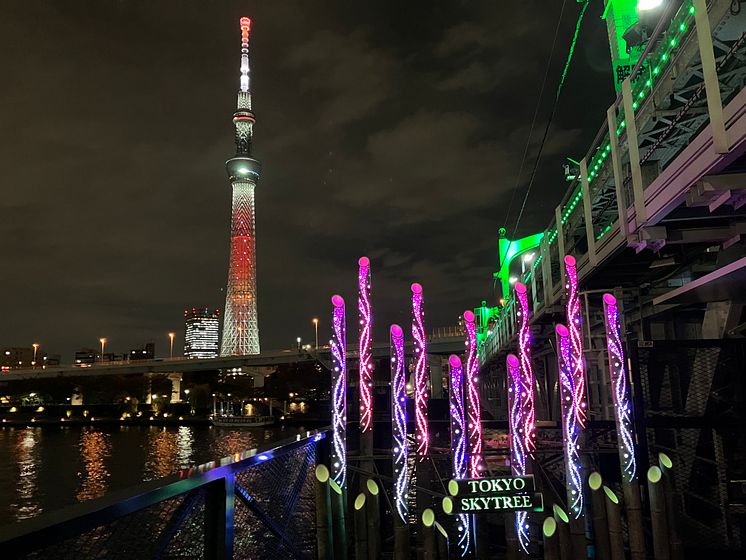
{"x": 353, "y": 131}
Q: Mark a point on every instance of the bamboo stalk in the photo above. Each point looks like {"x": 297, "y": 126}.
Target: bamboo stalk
{"x": 633, "y": 509}
{"x": 600, "y": 524}
{"x": 339, "y": 533}
{"x": 512, "y": 552}
{"x": 551, "y": 541}
{"x": 374, "y": 520}
{"x": 614, "y": 517}
{"x": 443, "y": 543}
{"x": 429, "y": 543}
{"x": 672, "y": 507}
{"x": 563, "y": 530}
{"x": 323, "y": 514}
{"x": 661, "y": 550}
{"x": 361, "y": 529}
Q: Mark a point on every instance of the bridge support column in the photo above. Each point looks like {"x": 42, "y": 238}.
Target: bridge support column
{"x": 633, "y": 148}
{"x": 175, "y": 379}
{"x": 435, "y": 363}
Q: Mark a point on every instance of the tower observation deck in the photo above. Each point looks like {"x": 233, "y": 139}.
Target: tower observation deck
{"x": 240, "y": 324}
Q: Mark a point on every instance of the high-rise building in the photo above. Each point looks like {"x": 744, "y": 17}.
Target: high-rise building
{"x": 240, "y": 325}
{"x": 201, "y": 333}
{"x": 147, "y": 352}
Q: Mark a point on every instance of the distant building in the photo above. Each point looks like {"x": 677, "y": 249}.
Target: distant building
{"x": 201, "y": 333}
{"x": 147, "y": 352}
{"x": 85, "y": 357}
{"x": 16, "y": 357}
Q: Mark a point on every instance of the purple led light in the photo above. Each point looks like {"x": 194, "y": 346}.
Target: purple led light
{"x": 518, "y": 451}
{"x": 528, "y": 413}
{"x": 575, "y": 325}
{"x": 473, "y": 409}
{"x": 570, "y": 427}
{"x": 618, "y": 374}
{"x": 338, "y": 346}
{"x": 459, "y": 443}
{"x": 366, "y": 363}
{"x": 399, "y": 424}
{"x": 420, "y": 372}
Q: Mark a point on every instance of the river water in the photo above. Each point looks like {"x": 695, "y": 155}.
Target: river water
{"x": 44, "y": 469}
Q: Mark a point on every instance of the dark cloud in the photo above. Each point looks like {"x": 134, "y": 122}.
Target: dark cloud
{"x": 385, "y": 129}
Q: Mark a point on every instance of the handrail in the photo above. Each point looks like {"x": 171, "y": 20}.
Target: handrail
{"x": 68, "y": 522}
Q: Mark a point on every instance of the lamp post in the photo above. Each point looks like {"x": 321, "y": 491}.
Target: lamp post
{"x": 171, "y": 338}
{"x": 298, "y": 341}
{"x": 36, "y": 349}
{"x": 102, "y": 340}
{"x": 316, "y": 328}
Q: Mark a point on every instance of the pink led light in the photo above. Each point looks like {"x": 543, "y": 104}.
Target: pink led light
{"x": 473, "y": 409}
{"x": 528, "y": 414}
{"x": 399, "y": 422}
{"x": 420, "y": 372}
{"x": 338, "y": 347}
{"x": 459, "y": 451}
{"x": 575, "y": 325}
{"x": 518, "y": 440}
{"x": 365, "y": 316}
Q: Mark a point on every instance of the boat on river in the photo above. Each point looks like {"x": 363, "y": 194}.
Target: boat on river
{"x": 253, "y": 421}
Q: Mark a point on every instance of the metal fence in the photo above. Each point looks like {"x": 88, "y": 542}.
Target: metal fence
{"x": 693, "y": 406}
{"x": 256, "y": 504}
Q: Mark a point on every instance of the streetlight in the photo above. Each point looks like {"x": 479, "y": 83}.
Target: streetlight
{"x": 36, "y": 349}
{"x": 102, "y": 340}
{"x": 316, "y": 327}
{"x": 644, "y": 5}
{"x": 171, "y": 336}
{"x": 298, "y": 341}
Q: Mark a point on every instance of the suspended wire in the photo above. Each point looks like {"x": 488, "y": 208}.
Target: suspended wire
{"x": 551, "y": 117}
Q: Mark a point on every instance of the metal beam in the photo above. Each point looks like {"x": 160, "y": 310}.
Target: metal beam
{"x": 634, "y": 155}
{"x": 616, "y": 164}
{"x": 587, "y": 213}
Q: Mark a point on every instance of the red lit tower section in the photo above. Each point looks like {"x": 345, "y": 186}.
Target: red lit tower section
{"x": 240, "y": 324}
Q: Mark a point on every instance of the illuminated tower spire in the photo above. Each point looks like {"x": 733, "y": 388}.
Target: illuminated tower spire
{"x": 240, "y": 325}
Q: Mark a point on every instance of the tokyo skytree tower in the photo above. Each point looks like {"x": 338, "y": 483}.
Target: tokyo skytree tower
{"x": 240, "y": 325}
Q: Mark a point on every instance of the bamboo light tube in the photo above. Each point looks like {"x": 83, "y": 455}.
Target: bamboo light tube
{"x": 672, "y": 507}
{"x": 323, "y": 514}
{"x": 551, "y": 544}
{"x": 563, "y": 531}
{"x": 429, "y": 544}
{"x": 661, "y": 550}
{"x": 600, "y": 523}
{"x": 511, "y": 539}
{"x": 443, "y": 542}
{"x": 614, "y": 518}
{"x": 374, "y": 519}
{"x": 361, "y": 529}
{"x": 339, "y": 532}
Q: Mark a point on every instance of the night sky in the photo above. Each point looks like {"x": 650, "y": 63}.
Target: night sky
{"x": 392, "y": 129}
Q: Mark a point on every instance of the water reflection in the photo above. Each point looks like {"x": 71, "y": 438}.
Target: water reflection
{"x": 27, "y": 457}
{"x": 228, "y": 442}
{"x": 95, "y": 448}
{"x": 168, "y": 451}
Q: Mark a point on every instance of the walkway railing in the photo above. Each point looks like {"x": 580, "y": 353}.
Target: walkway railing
{"x": 680, "y": 113}
{"x": 256, "y": 504}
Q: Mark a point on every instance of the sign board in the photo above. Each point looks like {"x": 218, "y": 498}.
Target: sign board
{"x": 512, "y": 493}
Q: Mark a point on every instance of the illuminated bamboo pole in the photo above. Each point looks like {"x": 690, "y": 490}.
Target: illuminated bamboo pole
{"x": 672, "y": 509}
{"x": 374, "y": 520}
{"x": 471, "y": 397}
{"x": 459, "y": 449}
{"x": 551, "y": 544}
{"x": 365, "y": 369}
{"x": 361, "y": 529}
{"x": 323, "y": 514}
{"x": 429, "y": 544}
{"x": 600, "y": 523}
{"x": 624, "y": 426}
{"x": 661, "y": 549}
{"x": 338, "y": 480}
{"x": 614, "y": 517}
{"x": 399, "y": 440}
{"x": 518, "y": 452}
{"x": 512, "y": 549}
{"x": 563, "y": 532}
{"x": 422, "y": 435}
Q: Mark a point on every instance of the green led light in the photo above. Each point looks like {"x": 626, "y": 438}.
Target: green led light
{"x": 664, "y": 57}
{"x": 682, "y": 27}
{"x": 691, "y": 9}
{"x": 649, "y": 83}
{"x": 641, "y": 94}
{"x": 634, "y": 105}
{"x": 656, "y": 70}
{"x": 673, "y": 42}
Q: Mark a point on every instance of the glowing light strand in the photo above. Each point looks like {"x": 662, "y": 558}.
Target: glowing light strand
{"x": 459, "y": 451}
{"x": 575, "y": 325}
{"x": 245, "y": 30}
{"x": 420, "y": 372}
{"x": 518, "y": 451}
{"x": 618, "y": 374}
{"x": 473, "y": 409}
{"x": 338, "y": 347}
{"x": 527, "y": 372}
{"x": 399, "y": 422}
{"x": 365, "y": 316}
{"x": 570, "y": 425}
